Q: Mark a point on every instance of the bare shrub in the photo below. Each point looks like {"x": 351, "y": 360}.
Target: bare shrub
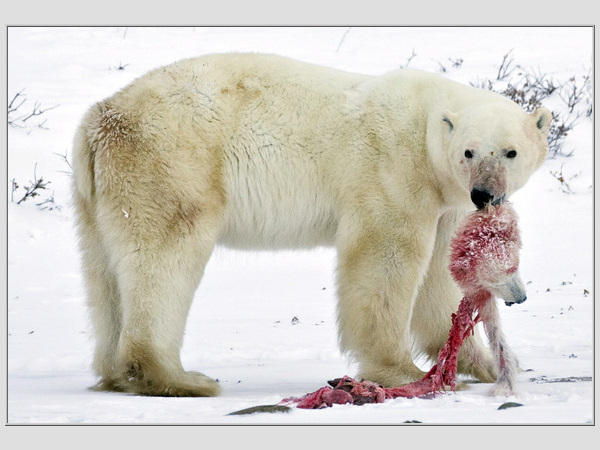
{"x": 530, "y": 88}
{"x": 16, "y": 115}
{"x": 32, "y": 190}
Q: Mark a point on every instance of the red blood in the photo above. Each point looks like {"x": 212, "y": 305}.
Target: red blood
{"x": 441, "y": 375}
{"x": 485, "y": 246}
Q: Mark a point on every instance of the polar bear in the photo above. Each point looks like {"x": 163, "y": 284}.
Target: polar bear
{"x": 263, "y": 152}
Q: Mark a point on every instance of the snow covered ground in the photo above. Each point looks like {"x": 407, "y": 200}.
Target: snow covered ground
{"x": 263, "y": 323}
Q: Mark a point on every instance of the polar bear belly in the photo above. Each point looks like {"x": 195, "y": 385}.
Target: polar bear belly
{"x": 275, "y": 200}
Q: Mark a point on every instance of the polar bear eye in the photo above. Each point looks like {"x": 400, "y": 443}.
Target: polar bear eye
{"x": 469, "y": 154}
{"x": 511, "y": 154}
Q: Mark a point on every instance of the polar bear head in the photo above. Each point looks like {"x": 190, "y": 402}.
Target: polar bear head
{"x": 493, "y": 148}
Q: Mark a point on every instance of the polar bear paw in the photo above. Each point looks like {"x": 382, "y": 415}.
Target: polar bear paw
{"x": 185, "y": 384}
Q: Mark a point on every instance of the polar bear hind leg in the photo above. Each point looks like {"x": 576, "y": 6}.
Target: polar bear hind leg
{"x": 139, "y": 313}
{"x": 147, "y": 227}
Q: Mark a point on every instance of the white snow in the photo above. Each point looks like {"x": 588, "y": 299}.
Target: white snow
{"x": 241, "y": 328}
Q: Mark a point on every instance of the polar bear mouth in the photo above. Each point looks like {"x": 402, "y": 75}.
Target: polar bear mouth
{"x": 481, "y": 197}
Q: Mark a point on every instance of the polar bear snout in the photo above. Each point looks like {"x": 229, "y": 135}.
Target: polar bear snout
{"x": 488, "y": 182}
{"x": 481, "y": 197}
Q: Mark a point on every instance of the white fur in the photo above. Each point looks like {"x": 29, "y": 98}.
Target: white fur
{"x": 256, "y": 151}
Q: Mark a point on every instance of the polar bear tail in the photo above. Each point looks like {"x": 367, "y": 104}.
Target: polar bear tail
{"x": 84, "y": 148}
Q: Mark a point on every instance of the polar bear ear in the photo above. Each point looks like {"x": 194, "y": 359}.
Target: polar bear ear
{"x": 449, "y": 119}
{"x": 543, "y": 119}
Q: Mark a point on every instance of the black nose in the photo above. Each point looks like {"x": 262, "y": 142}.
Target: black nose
{"x": 480, "y": 198}
{"x": 518, "y": 302}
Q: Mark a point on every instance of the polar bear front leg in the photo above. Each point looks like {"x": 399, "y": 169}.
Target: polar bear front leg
{"x": 380, "y": 269}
